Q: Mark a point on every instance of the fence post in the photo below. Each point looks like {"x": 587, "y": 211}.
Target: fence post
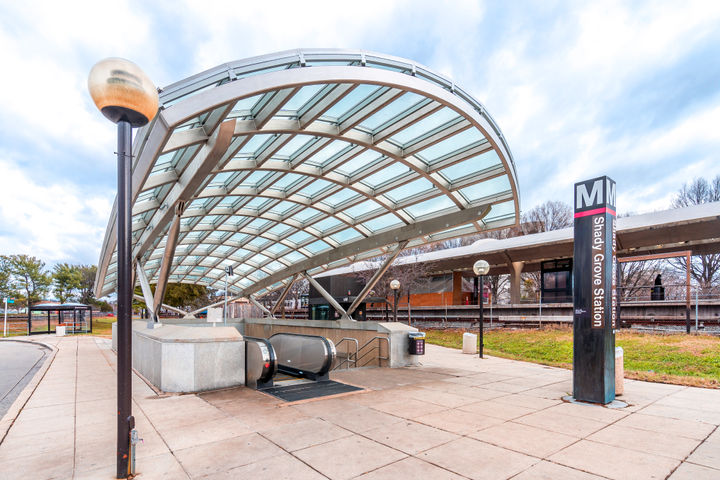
{"x": 696, "y": 309}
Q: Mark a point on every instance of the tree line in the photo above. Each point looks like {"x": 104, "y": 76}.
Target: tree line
{"x": 26, "y": 279}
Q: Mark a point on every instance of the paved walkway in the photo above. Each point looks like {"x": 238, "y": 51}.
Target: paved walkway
{"x": 456, "y": 417}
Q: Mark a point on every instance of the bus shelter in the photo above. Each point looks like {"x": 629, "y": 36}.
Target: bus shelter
{"x": 43, "y": 317}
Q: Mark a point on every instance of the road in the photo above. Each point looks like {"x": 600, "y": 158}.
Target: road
{"x": 18, "y": 363}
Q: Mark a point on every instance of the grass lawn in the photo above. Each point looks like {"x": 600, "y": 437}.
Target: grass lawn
{"x": 102, "y": 326}
{"x": 680, "y": 359}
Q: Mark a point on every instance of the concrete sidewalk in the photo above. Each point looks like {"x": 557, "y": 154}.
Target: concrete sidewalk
{"x": 455, "y": 417}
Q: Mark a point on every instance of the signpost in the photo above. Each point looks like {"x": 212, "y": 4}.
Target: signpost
{"x": 7, "y": 300}
{"x": 594, "y": 291}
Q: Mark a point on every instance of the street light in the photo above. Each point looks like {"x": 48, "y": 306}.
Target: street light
{"x": 127, "y": 97}
{"x": 395, "y": 286}
{"x": 481, "y": 268}
{"x": 228, "y": 273}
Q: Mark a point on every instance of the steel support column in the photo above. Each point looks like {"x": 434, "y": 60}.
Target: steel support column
{"x": 376, "y": 277}
{"x": 147, "y": 295}
{"x": 164, "y": 273}
{"x": 327, "y": 296}
{"x": 284, "y": 294}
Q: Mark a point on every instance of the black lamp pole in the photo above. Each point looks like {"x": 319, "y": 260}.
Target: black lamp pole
{"x": 396, "y": 293}
{"x": 124, "y": 299}
{"x": 126, "y": 97}
{"x": 481, "y": 294}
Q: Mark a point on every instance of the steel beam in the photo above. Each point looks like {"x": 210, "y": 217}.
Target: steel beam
{"x": 260, "y": 306}
{"x": 166, "y": 264}
{"x": 327, "y": 296}
{"x": 147, "y": 294}
{"x": 163, "y": 305}
{"x": 284, "y": 293}
{"x": 376, "y": 277}
{"x": 194, "y": 176}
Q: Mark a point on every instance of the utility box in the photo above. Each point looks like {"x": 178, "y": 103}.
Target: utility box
{"x": 470, "y": 343}
{"x": 416, "y": 343}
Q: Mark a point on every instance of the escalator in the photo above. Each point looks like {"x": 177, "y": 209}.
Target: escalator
{"x": 292, "y": 366}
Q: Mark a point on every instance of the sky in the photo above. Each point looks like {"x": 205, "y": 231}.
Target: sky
{"x": 580, "y": 89}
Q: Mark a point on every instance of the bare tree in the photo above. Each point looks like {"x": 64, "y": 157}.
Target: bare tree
{"x": 636, "y": 275}
{"x": 551, "y": 215}
{"x": 412, "y": 275}
{"x": 704, "y": 269}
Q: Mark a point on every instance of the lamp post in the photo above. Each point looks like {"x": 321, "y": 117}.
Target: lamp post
{"x": 127, "y": 97}
{"x": 481, "y": 268}
{"x": 395, "y": 286}
{"x": 228, "y": 273}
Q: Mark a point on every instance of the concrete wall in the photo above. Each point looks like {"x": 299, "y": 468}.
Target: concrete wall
{"x": 364, "y": 332}
{"x": 188, "y": 359}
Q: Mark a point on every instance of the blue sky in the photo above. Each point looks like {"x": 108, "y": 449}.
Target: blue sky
{"x": 580, "y": 89}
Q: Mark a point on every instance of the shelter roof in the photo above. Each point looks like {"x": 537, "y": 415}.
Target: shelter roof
{"x": 307, "y": 160}
{"x": 695, "y": 228}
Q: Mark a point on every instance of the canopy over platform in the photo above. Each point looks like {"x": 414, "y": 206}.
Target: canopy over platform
{"x": 302, "y": 161}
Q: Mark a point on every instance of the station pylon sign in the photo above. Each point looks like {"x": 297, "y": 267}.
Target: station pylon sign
{"x": 594, "y": 291}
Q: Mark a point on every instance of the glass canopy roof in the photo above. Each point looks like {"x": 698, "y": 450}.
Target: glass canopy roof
{"x": 307, "y": 160}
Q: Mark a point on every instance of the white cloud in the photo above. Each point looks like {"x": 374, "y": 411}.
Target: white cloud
{"x": 55, "y": 222}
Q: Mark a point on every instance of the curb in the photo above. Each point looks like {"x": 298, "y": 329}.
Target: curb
{"x": 11, "y": 415}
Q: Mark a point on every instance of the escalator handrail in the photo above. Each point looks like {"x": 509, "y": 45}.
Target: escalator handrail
{"x": 273, "y": 368}
{"x": 330, "y": 353}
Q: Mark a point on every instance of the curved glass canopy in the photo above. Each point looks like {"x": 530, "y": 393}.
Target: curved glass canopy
{"x": 307, "y": 160}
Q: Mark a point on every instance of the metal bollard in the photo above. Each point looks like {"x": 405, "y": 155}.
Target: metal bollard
{"x": 619, "y": 371}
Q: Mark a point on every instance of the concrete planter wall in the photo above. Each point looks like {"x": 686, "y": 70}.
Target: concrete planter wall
{"x": 188, "y": 359}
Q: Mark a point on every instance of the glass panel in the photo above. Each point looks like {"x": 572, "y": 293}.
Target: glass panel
{"x": 258, "y": 223}
{"x": 321, "y": 157}
{"x": 286, "y": 180}
{"x": 314, "y": 187}
{"x": 385, "y": 174}
{"x": 390, "y": 111}
{"x": 301, "y": 97}
{"x": 295, "y": 144}
{"x": 350, "y": 100}
{"x": 299, "y": 237}
{"x": 368, "y": 157}
{"x": 470, "y": 166}
{"x": 430, "y": 207}
{"x": 327, "y": 224}
{"x": 362, "y": 208}
{"x": 346, "y": 235}
{"x": 340, "y": 197}
{"x": 254, "y": 144}
{"x": 409, "y": 189}
{"x": 382, "y": 222}
{"x": 258, "y": 259}
{"x": 294, "y": 257}
{"x": 305, "y": 214}
{"x": 423, "y": 126}
{"x": 451, "y": 144}
{"x": 317, "y": 247}
{"x": 255, "y": 178}
{"x": 486, "y": 188}
{"x": 501, "y": 210}
{"x": 279, "y": 229}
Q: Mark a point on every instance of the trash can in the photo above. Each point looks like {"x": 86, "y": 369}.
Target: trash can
{"x": 60, "y": 330}
{"x": 417, "y": 343}
{"x": 470, "y": 343}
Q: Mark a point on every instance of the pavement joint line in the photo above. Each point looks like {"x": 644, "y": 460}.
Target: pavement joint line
{"x": 297, "y": 458}
{"x": 685, "y": 460}
{"x": 29, "y": 389}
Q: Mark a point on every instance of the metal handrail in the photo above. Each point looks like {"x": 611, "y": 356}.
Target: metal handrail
{"x": 379, "y": 357}
{"x": 348, "y": 357}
